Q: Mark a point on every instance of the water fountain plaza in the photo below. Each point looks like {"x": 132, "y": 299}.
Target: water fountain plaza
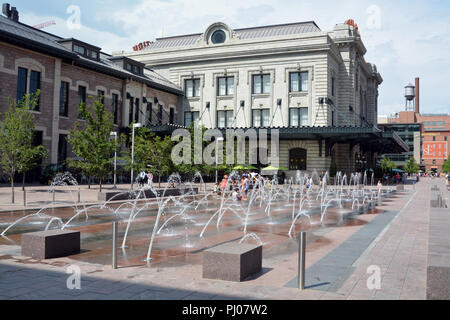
{"x": 176, "y": 230}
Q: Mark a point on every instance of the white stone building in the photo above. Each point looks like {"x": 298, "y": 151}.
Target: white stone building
{"x": 315, "y": 86}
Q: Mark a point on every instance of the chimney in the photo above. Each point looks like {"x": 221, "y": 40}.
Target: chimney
{"x": 6, "y": 11}
{"x": 12, "y": 13}
{"x": 417, "y": 95}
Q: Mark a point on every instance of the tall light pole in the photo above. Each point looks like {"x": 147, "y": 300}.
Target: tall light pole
{"x": 217, "y": 157}
{"x": 114, "y": 134}
{"x": 135, "y": 125}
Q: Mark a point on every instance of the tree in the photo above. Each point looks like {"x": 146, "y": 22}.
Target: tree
{"x": 16, "y": 138}
{"x": 387, "y": 165}
{"x": 446, "y": 166}
{"x": 91, "y": 142}
{"x": 412, "y": 166}
{"x": 151, "y": 153}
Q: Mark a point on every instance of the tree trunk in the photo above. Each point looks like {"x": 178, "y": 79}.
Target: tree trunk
{"x": 89, "y": 182}
{"x": 23, "y": 181}
{"x": 101, "y": 182}
{"x": 12, "y": 189}
{"x": 159, "y": 180}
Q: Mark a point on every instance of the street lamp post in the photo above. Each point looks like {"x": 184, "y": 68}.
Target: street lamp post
{"x": 114, "y": 134}
{"x": 217, "y": 157}
{"x": 135, "y": 125}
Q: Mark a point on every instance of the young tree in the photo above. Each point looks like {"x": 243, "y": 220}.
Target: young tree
{"x": 412, "y": 166}
{"x": 387, "y": 165}
{"x": 91, "y": 142}
{"x": 151, "y": 153}
{"x": 16, "y": 138}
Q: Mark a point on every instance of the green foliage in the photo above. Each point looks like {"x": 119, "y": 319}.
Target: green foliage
{"x": 151, "y": 153}
{"x": 91, "y": 141}
{"x": 412, "y": 166}
{"x": 446, "y": 166}
{"x": 17, "y": 153}
{"x": 387, "y": 165}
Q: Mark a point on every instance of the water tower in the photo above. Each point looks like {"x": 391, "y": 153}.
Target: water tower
{"x": 410, "y": 94}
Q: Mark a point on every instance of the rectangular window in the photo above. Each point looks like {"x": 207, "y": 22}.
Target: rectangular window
{"x": 225, "y": 119}
{"x": 136, "y": 111}
{"x": 62, "y": 148}
{"x": 81, "y": 97}
{"x": 261, "y": 84}
{"x": 298, "y": 117}
{"x": 35, "y": 85}
{"x": 172, "y": 116}
{"x": 192, "y": 88}
{"x": 101, "y": 96}
{"x": 333, "y": 87}
{"x": 130, "y": 111}
{"x": 115, "y": 107}
{"x": 80, "y": 50}
{"x": 160, "y": 114}
{"x": 261, "y": 118}
{"x": 22, "y": 80}
{"x": 298, "y": 81}
{"x": 92, "y": 54}
{"x": 190, "y": 117}
{"x": 64, "y": 99}
{"x": 149, "y": 112}
{"x": 225, "y": 86}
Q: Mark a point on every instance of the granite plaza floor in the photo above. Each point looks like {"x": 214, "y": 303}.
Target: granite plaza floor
{"x": 393, "y": 238}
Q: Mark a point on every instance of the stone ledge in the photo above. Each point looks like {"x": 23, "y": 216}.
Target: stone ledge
{"x": 50, "y": 244}
{"x": 232, "y": 262}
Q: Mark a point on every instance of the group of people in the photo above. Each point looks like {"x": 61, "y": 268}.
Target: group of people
{"x": 145, "y": 178}
{"x": 239, "y": 188}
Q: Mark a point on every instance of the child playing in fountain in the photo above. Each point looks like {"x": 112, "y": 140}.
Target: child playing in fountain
{"x": 379, "y": 185}
{"x": 236, "y": 196}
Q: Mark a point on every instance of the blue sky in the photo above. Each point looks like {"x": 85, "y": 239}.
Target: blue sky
{"x": 404, "y": 39}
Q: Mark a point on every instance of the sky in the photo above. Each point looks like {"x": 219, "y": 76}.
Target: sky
{"x": 404, "y": 39}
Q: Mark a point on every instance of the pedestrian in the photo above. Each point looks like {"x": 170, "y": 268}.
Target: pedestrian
{"x": 379, "y": 185}
{"x": 150, "y": 179}
{"x": 224, "y": 183}
{"x": 246, "y": 187}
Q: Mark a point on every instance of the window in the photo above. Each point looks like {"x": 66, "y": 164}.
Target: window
{"x": 298, "y": 81}
{"x": 101, "y": 96}
{"x": 297, "y": 159}
{"x": 78, "y": 49}
{"x": 62, "y": 148}
{"x": 226, "y": 86}
{"x": 225, "y": 119}
{"x": 218, "y": 36}
{"x": 298, "y": 117}
{"x": 92, "y": 54}
{"x": 261, "y": 118}
{"x": 333, "y": 87}
{"x": 129, "y": 67}
{"x": 130, "y": 111}
{"x": 332, "y": 119}
{"x": 160, "y": 114}
{"x": 136, "y": 70}
{"x": 136, "y": 111}
{"x": 192, "y": 88}
{"x": 434, "y": 138}
{"x": 115, "y": 107}
{"x": 35, "y": 85}
{"x": 22, "y": 83}
{"x": 190, "y": 117}
{"x": 445, "y": 138}
{"x": 261, "y": 84}
{"x": 81, "y": 97}
{"x": 171, "y": 115}
{"x": 150, "y": 112}
{"x": 64, "y": 99}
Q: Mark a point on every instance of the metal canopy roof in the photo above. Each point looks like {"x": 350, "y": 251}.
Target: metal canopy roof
{"x": 369, "y": 138}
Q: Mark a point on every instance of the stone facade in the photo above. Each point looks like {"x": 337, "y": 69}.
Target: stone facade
{"x": 336, "y": 73}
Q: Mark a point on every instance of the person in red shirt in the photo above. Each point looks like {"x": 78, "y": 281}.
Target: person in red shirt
{"x": 223, "y": 185}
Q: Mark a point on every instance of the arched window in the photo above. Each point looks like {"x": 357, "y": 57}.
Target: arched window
{"x": 218, "y": 36}
{"x": 297, "y": 159}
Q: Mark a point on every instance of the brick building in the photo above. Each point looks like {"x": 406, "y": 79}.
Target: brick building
{"x": 69, "y": 71}
{"x": 434, "y": 134}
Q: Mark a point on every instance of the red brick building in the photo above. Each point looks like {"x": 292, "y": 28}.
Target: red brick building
{"x": 69, "y": 71}
{"x": 435, "y": 134}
